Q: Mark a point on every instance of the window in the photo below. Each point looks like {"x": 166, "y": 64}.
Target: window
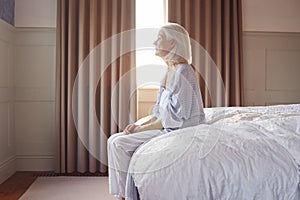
{"x": 150, "y": 68}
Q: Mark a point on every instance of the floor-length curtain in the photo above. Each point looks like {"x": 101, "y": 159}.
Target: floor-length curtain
{"x": 93, "y": 56}
{"x": 217, "y": 26}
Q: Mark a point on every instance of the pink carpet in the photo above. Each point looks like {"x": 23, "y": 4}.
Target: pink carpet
{"x": 68, "y": 188}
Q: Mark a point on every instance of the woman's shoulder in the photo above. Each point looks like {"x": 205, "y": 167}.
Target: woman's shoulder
{"x": 185, "y": 68}
{"x": 186, "y": 71}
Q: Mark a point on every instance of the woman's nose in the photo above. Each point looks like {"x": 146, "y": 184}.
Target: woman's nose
{"x": 154, "y": 43}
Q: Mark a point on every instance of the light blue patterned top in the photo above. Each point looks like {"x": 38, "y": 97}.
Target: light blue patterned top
{"x": 180, "y": 105}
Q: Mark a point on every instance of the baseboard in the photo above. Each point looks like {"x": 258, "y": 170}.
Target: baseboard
{"x": 7, "y": 168}
{"x": 35, "y": 163}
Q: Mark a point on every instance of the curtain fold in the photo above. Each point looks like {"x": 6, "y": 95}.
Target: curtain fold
{"x": 90, "y": 64}
{"x": 217, "y": 26}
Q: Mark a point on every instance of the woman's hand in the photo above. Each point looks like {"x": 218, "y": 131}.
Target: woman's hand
{"x": 153, "y": 124}
{"x": 133, "y": 128}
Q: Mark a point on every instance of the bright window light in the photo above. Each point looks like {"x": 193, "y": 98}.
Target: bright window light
{"x": 150, "y": 68}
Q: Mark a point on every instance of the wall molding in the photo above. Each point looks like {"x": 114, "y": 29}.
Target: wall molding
{"x": 269, "y": 33}
{"x": 34, "y": 91}
{"x": 40, "y": 94}
{"x": 5, "y": 29}
{"x": 25, "y": 87}
{"x": 5, "y": 95}
{"x": 35, "y": 36}
{"x": 35, "y": 162}
{"x": 271, "y": 66}
{"x": 7, "y": 162}
{"x": 7, "y": 168}
{"x": 7, "y": 134}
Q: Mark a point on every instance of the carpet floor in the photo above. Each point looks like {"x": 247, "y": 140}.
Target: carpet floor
{"x": 68, "y": 188}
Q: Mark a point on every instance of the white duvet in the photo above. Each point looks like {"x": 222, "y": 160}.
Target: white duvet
{"x": 239, "y": 153}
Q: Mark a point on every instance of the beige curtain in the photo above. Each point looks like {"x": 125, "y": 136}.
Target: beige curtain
{"x": 217, "y": 26}
{"x": 93, "y": 57}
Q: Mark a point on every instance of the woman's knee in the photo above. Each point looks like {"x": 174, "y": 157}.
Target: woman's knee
{"x": 113, "y": 139}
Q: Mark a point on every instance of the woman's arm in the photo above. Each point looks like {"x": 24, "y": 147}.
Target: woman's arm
{"x": 152, "y": 124}
{"x": 145, "y": 120}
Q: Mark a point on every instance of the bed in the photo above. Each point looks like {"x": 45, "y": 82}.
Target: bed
{"x": 238, "y": 153}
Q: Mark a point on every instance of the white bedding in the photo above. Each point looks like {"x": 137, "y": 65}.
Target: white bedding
{"x": 239, "y": 153}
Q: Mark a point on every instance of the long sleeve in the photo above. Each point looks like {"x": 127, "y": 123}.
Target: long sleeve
{"x": 155, "y": 110}
{"x": 181, "y": 104}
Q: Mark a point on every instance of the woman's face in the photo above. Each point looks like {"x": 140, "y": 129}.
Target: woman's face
{"x": 162, "y": 45}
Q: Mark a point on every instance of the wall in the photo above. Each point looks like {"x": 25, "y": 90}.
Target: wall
{"x": 271, "y": 51}
{"x": 7, "y": 136}
{"x": 7, "y": 11}
{"x": 34, "y": 80}
{"x": 35, "y": 13}
{"x": 272, "y": 68}
{"x": 27, "y": 88}
{"x": 271, "y": 15}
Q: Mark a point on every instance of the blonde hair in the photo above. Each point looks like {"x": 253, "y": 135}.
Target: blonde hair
{"x": 182, "y": 50}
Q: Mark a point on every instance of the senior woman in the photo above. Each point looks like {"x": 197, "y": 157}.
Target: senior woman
{"x": 179, "y": 105}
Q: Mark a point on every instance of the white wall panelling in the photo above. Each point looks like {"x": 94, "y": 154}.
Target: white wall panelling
{"x": 27, "y": 99}
{"x": 34, "y": 80}
{"x": 7, "y": 136}
{"x": 272, "y": 68}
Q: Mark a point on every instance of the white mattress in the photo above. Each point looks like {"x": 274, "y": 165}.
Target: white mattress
{"x": 239, "y": 153}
